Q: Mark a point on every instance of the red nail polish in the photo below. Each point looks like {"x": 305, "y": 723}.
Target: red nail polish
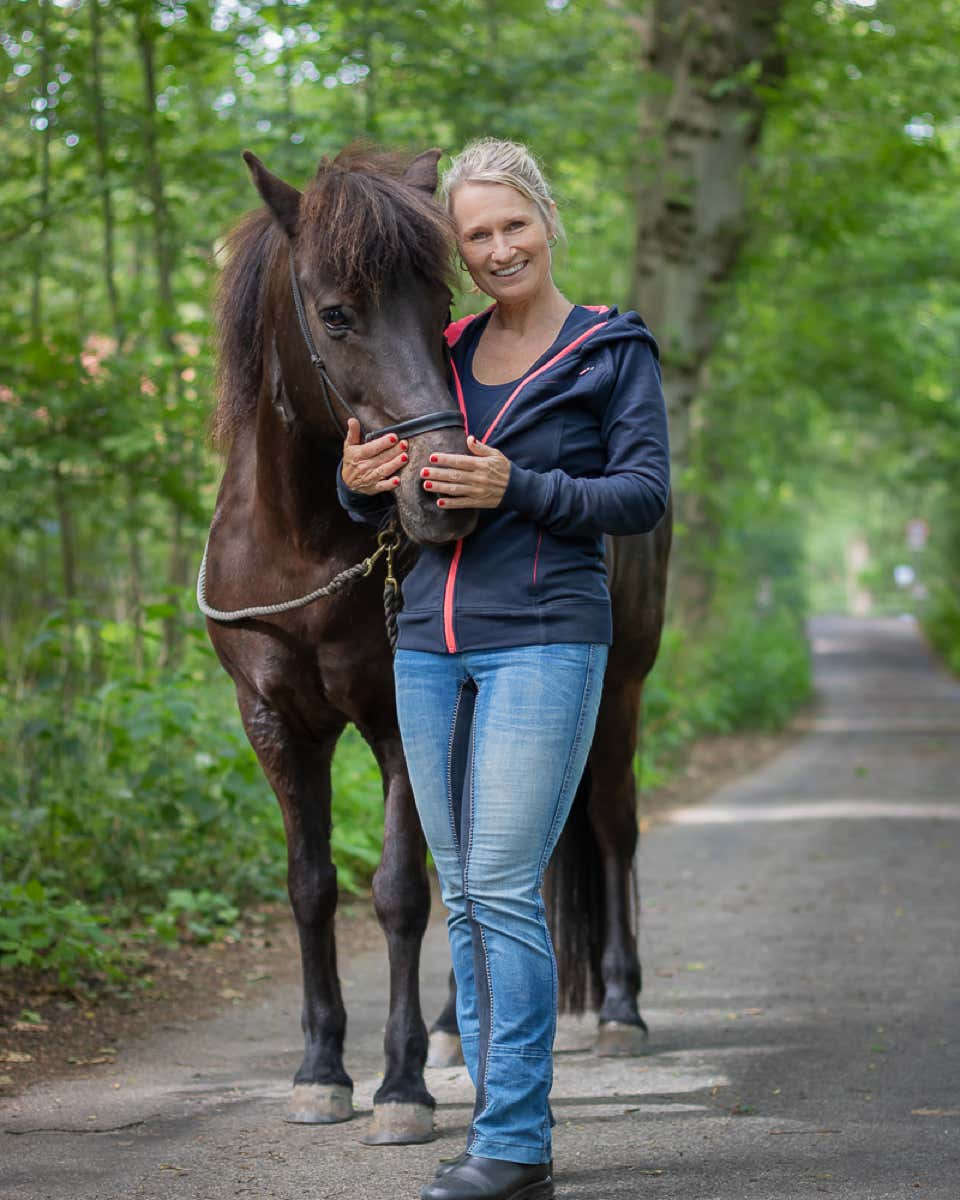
{"x": 403, "y": 445}
{"x": 403, "y": 458}
{"x": 396, "y": 482}
{"x": 440, "y": 504}
{"x": 425, "y": 472}
{"x": 393, "y": 438}
{"x": 433, "y": 458}
{"x": 428, "y": 484}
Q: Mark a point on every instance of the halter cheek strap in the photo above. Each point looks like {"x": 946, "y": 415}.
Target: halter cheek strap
{"x": 443, "y": 419}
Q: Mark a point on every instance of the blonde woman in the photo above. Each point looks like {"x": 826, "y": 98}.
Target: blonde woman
{"x": 504, "y": 635}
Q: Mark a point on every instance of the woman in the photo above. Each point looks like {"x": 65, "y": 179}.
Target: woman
{"x": 504, "y": 635}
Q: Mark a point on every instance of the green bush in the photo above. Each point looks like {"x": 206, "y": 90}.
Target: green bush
{"x": 39, "y": 932}
{"x": 941, "y": 623}
{"x": 743, "y": 672}
{"x": 139, "y": 795}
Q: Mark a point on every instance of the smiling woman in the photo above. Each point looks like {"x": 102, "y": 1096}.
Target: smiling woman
{"x": 504, "y": 633}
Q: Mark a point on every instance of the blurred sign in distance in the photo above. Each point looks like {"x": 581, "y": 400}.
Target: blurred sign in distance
{"x": 903, "y": 575}
{"x": 917, "y": 533}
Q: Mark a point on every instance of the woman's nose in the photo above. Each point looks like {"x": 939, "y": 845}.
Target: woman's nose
{"x": 502, "y": 249}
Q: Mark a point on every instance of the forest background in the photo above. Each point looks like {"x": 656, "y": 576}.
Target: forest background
{"x": 772, "y": 184}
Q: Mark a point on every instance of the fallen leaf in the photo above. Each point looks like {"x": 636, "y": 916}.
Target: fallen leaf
{"x": 5, "y": 1080}
{"x": 935, "y": 1112}
{"x": 29, "y": 1027}
{"x": 696, "y": 966}
{"x": 231, "y": 994}
{"x": 12, "y": 1056}
{"x": 91, "y": 1062}
{"x": 752, "y": 1012}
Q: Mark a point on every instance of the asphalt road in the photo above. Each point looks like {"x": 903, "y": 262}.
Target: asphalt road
{"x": 800, "y": 940}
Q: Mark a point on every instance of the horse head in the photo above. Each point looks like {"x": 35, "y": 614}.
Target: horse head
{"x": 361, "y": 306}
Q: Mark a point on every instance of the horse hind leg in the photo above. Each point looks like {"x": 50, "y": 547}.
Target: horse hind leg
{"x": 612, "y": 809}
{"x": 402, "y": 1107}
{"x": 445, "y": 1046}
{"x": 298, "y": 769}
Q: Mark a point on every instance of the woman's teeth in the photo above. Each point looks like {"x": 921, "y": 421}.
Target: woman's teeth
{"x": 504, "y": 271}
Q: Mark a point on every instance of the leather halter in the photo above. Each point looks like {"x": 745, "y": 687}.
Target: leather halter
{"x": 444, "y": 419}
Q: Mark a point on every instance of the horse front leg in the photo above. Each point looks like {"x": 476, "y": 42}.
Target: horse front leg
{"x": 613, "y": 817}
{"x": 298, "y": 769}
{"x": 402, "y": 1107}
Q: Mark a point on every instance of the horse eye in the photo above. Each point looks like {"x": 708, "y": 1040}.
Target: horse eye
{"x": 334, "y": 318}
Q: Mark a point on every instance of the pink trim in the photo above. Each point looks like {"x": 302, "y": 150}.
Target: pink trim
{"x": 597, "y": 307}
{"x": 546, "y": 367}
{"x": 458, "y": 387}
{"x": 536, "y": 556}
{"x": 448, "y": 634}
{"x": 454, "y": 330}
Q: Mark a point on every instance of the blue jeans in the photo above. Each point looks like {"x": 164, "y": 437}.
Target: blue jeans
{"x": 496, "y": 742}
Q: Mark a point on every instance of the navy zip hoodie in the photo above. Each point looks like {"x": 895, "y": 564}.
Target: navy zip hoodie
{"x": 585, "y": 431}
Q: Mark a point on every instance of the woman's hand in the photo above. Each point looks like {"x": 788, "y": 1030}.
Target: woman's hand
{"x": 371, "y": 467}
{"x": 474, "y": 480}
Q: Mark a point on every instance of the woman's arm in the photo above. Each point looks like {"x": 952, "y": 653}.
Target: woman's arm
{"x": 631, "y": 495}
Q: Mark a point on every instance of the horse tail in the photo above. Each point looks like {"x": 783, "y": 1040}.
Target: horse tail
{"x": 574, "y": 895}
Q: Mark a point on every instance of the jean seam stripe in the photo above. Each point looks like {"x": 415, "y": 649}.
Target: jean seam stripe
{"x": 453, "y": 737}
{"x": 471, "y": 908}
{"x": 574, "y": 746}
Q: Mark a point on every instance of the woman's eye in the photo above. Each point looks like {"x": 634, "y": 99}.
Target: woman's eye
{"x": 335, "y": 318}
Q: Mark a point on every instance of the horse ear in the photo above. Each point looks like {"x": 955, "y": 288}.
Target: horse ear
{"x": 422, "y": 172}
{"x": 282, "y": 199}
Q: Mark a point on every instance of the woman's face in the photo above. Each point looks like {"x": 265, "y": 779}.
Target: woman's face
{"x": 503, "y": 240}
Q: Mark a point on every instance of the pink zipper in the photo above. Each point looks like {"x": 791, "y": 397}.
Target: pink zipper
{"x": 448, "y": 590}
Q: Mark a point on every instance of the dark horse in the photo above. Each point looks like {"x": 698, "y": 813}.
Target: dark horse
{"x": 370, "y": 254}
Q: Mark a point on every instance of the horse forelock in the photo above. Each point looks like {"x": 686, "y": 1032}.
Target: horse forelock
{"x": 362, "y": 225}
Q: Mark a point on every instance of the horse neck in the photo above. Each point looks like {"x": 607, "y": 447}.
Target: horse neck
{"x": 296, "y": 492}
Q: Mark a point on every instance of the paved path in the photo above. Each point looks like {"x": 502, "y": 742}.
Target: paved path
{"x": 803, "y": 990}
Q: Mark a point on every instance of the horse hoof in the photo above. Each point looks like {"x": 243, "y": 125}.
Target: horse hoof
{"x": 400, "y": 1125}
{"x": 618, "y": 1039}
{"x": 445, "y": 1049}
{"x": 320, "y": 1104}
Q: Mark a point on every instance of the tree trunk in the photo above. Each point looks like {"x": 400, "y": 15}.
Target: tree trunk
{"x": 103, "y": 170}
{"x": 698, "y": 135}
{"x": 36, "y": 290}
{"x": 178, "y": 563}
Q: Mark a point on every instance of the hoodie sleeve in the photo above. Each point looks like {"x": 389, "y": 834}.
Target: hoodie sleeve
{"x": 366, "y": 510}
{"x": 631, "y": 495}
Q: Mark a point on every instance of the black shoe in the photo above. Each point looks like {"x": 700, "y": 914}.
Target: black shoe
{"x": 476, "y": 1178}
{"x": 447, "y": 1163}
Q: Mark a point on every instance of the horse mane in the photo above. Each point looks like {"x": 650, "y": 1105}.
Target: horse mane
{"x": 360, "y": 223}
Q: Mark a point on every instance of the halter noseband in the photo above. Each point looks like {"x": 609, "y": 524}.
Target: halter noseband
{"x": 444, "y": 419}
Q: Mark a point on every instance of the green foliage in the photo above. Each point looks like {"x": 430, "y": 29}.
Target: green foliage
{"x": 141, "y": 798}
{"x": 941, "y": 621}
{"x": 749, "y": 671}
{"x": 40, "y": 931}
{"x": 829, "y": 412}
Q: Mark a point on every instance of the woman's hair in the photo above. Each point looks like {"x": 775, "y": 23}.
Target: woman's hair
{"x": 492, "y": 160}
